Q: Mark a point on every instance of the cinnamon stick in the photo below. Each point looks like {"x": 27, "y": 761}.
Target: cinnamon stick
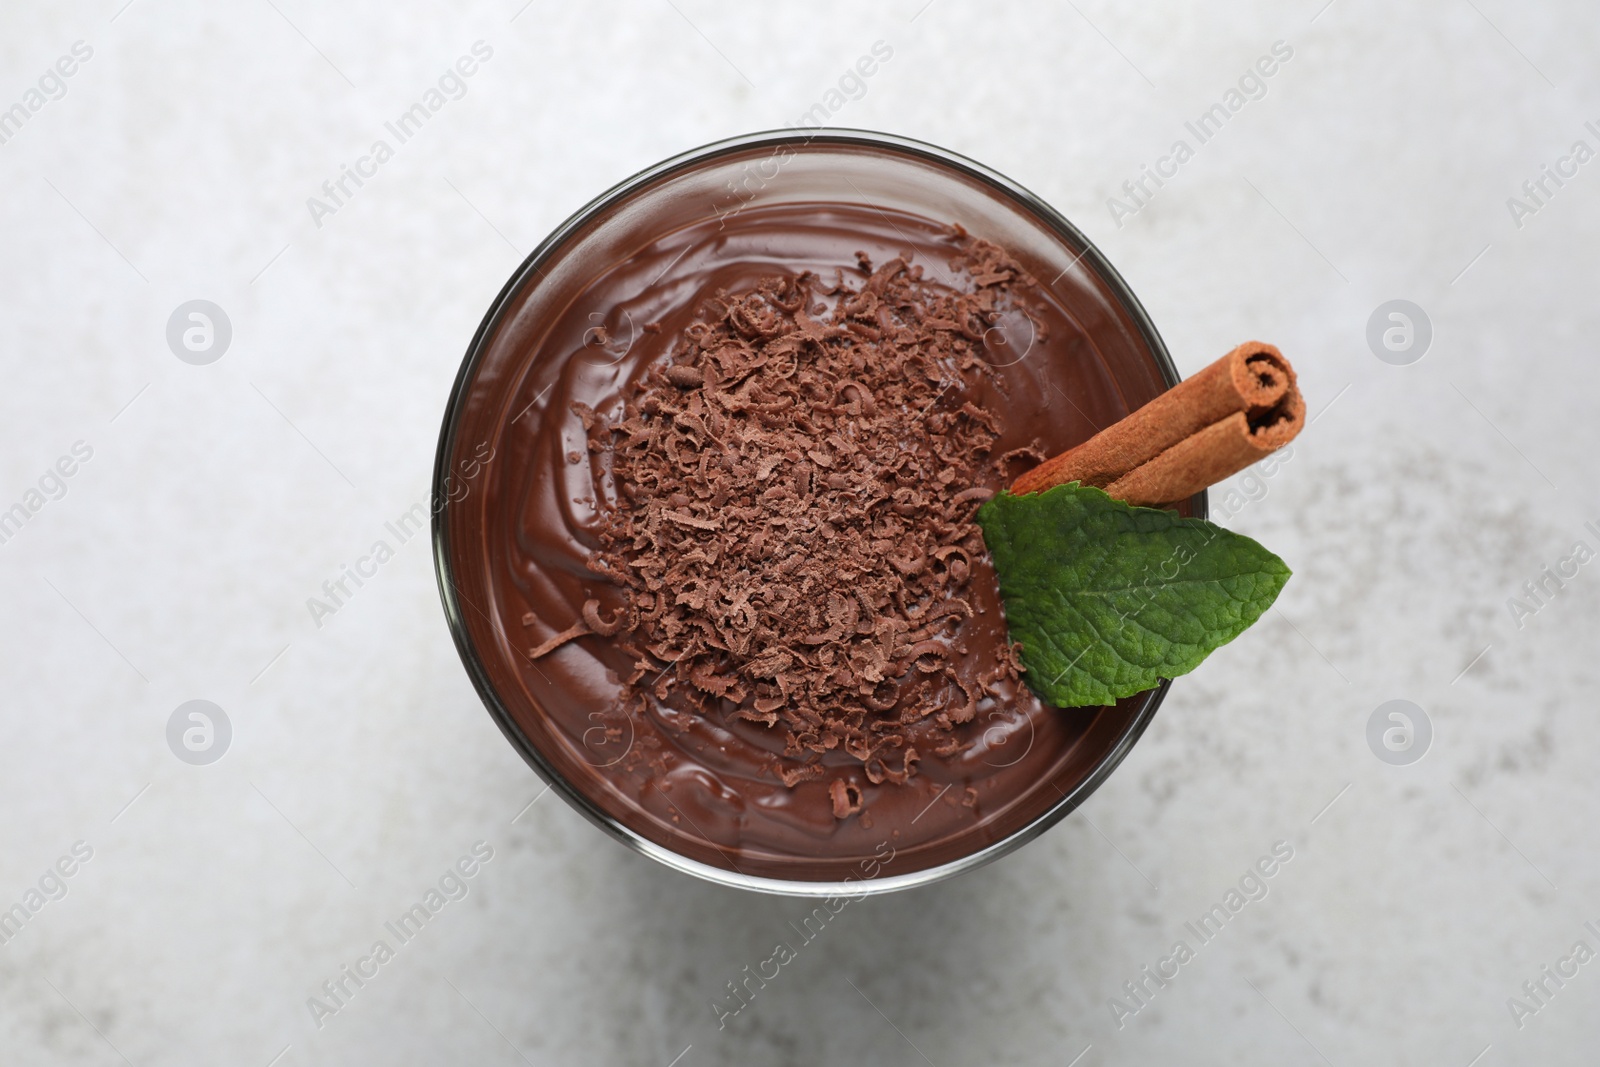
{"x": 1238, "y": 410}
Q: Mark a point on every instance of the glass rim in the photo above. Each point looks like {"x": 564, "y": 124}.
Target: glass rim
{"x": 1033, "y": 205}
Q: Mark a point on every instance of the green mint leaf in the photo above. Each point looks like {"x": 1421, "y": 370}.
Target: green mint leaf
{"x": 1107, "y": 599}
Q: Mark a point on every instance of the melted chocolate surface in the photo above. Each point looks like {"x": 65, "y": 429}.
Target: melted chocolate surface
{"x": 521, "y": 539}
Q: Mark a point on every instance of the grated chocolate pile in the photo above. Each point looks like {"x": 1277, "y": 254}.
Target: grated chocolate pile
{"x": 794, "y": 532}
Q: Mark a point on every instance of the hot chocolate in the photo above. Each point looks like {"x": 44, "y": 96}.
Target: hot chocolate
{"x": 728, "y": 534}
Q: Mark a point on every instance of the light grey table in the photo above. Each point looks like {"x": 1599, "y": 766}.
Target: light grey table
{"x": 208, "y": 502}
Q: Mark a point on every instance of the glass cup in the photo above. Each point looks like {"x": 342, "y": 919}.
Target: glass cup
{"x": 498, "y": 386}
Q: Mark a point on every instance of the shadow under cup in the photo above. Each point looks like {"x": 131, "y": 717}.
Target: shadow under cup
{"x": 501, "y": 397}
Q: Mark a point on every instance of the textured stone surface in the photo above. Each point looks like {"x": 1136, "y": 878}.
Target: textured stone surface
{"x": 220, "y": 497}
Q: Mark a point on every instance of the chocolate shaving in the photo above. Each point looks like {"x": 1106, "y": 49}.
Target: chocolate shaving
{"x": 577, "y": 629}
{"x": 793, "y": 527}
{"x": 846, "y": 798}
{"x": 599, "y": 625}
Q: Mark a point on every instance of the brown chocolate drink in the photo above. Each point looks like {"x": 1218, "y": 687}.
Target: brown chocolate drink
{"x": 844, "y": 705}
{"x": 721, "y": 776}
